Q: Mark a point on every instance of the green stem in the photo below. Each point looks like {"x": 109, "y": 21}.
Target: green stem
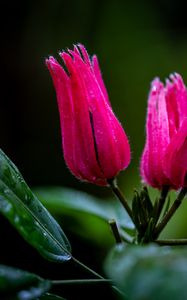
{"x": 125, "y": 237}
{"x": 115, "y": 231}
{"x": 161, "y": 201}
{"x": 171, "y": 242}
{"x": 80, "y": 281}
{"x": 95, "y": 274}
{"x": 120, "y": 196}
{"x": 170, "y": 212}
{"x": 87, "y": 268}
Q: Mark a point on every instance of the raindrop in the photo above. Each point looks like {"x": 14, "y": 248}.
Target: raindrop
{"x": 36, "y": 223}
{"x": 5, "y": 206}
{"x": 154, "y": 89}
{"x": 27, "y": 199}
{"x": 6, "y": 191}
{"x": 39, "y": 209}
{"x": 16, "y": 219}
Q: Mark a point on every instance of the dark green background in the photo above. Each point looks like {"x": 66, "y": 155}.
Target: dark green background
{"x": 134, "y": 40}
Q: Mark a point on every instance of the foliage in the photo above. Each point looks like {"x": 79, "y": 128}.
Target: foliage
{"x": 138, "y": 270}
{"x": 149, "y": 271}
{"x": 21, "y": 207}
{"x": 21, "y": 285}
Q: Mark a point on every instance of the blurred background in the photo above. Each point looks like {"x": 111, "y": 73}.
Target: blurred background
{"x": 134, "y": 41}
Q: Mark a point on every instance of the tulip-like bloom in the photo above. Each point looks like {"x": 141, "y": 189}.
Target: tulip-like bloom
{"x": 164, "y": 159}
{"x": 94, "y": 143}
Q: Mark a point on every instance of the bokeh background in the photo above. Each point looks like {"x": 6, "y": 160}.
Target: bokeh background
{"x": 134, "y": 40}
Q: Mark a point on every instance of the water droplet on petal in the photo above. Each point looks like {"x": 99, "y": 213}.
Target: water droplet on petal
{"x": 154, "y": 89}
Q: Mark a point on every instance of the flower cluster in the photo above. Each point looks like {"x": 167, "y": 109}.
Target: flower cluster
{"x": 95, "y": 145}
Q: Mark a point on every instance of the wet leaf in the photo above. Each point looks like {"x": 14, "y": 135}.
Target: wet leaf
{"x": 48, "y": 296}
{"x": 149, "y": 272}
{"x": 63, "y": 200}
{"x": 31, "y": 219}
{"x": 16, "y": 284}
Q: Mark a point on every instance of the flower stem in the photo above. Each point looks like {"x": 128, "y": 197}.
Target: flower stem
{"x": 171, "y": 242}
{"x": 87, "y": 268}
{"x": 161, "y": 201}
{"x": 115, "y": 231}
{"x": 170, "y": 212}
{"x": 120, "y": 196}
{"x": 101, "y": 278}
{"x": 80, "y": 281}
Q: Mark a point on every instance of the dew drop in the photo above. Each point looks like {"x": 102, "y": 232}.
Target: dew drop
{"x": 27, "y": 199}
{"x": 24, "y": 295}
{"x": 16, "y": 219}
{"x": 154, "y": 89}
{"x": 39, "y": 209}
{"x": 5, "y": 206}
{"x": 6, "y": 191}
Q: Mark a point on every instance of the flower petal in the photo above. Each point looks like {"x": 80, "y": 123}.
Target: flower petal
{"x": 176, "y": 99}
{"x": 83, "y": 141}
{"x": 111, "y": 141}
{"x": 157, "y": 137}
{"x": 99, "y": 78}
{"x": 175, "y": 161}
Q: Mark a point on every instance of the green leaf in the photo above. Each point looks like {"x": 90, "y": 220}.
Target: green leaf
{"x": 149, "y": 272}
{"x": 21, "y": 285}
{"x": 146, "y": 200}
{"x": 58, "y": 199}
{"x": 136, "y": 209}
{"x": 51, "y": 297}
{"x": 87, "y": 216}
{"x": 31, "y": 219}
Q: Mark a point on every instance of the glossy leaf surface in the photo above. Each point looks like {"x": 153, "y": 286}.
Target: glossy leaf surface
{"x": 48, "y": 296}
{"x": 21, "y": 285}
{"x": 26, "y": 213}
{"x": 61, "y": 199}
{"x": 149, "y": 272}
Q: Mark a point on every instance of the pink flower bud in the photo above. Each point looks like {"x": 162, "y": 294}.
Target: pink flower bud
{"x": 94, "y": 143}
{"x": 164, "y": 159}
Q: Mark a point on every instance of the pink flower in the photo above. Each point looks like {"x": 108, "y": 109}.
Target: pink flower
{"x": 94, "y": 143}
{"x": 164, "y": 159}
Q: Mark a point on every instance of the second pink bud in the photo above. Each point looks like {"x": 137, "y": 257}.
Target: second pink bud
{"x": 164, "y": 159}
